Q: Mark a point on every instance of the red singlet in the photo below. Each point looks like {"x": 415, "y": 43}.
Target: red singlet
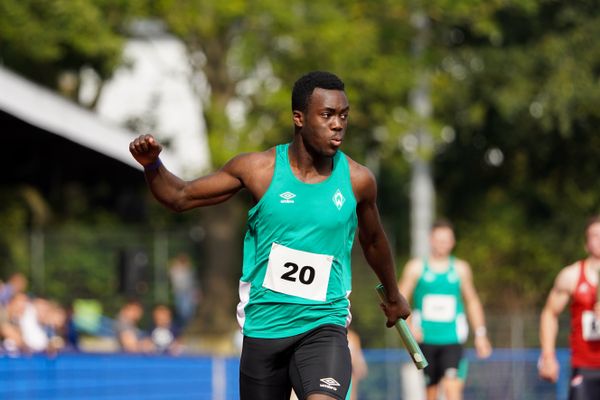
{"x": 584, "y": 353}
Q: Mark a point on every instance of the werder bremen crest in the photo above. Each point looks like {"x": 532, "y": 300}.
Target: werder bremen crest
{"x": 338, "y": 199}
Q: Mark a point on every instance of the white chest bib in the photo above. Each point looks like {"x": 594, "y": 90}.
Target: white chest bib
{"x": 298, "y": 273}
{"x": 590, "y": 326}
{"x": 439, "y": 307}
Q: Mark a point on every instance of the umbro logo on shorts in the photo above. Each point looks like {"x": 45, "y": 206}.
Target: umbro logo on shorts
{"x": 287, "y": 197}
{"x": 329, "y": 383}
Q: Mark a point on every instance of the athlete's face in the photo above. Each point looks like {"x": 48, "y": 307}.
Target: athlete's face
{"x": 592, "y": 243}
{"x": 442, "y": 241}
{"x": 324, "y": 122}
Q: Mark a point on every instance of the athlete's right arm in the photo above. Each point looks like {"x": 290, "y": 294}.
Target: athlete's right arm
{"x": 558, "y": 298}
{"x": 410, "y": 276}
{"x": 177, "y": 194}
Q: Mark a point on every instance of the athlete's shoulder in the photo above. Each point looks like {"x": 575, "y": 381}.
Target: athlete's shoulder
{"x": 462, "y": 266}
{"x": 252, "y": 163}
{"x": 567, "y": 277}
{"x": 363, "y": 180}
{"x": 357, "y": 170}
{"x": 256, "y": 157}
{"x": 414, "y": 267}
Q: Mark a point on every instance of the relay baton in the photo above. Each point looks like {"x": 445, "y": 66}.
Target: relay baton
{"x": 407, "y": 338}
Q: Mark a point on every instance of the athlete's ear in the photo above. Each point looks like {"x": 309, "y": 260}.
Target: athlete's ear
{"x": 298, "y": 118}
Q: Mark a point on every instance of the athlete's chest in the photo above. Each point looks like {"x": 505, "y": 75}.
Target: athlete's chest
{"x": 447, "y": 283}
{"x": 585, "y": 291}
{"x": 324, "y": 205}
{"x": 585, "y": 294}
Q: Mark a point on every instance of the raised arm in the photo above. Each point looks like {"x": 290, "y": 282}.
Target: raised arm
{"x": 374, "y": 242}
{"x": 474, "y": 310}
{"x": 178, "y": 194}
{"x": 555, "y": 304}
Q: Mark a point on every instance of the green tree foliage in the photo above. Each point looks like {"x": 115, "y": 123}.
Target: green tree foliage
{"x": 14, "y": 219}
{"x": 52, "y": 40}
{"x": 252, "y": 51}
{"x": 519, "y": 178}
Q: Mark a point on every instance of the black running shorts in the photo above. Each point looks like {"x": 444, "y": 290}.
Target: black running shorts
{"x": 443, "y": 361}
{"x": 585, "y": 384}
{"x": 317, "y": 361}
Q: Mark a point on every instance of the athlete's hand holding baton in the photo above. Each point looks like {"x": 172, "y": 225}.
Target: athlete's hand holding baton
{"x": 407, "y": 338}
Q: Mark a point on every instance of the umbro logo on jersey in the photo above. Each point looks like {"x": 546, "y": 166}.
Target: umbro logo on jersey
{"x": 329, "y": 383}
{"x": 338, "y": 199}
{"x": 287, "y": 197}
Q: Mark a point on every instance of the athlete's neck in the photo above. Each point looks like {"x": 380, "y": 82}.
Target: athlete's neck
{"x": 308, "y": 166}
{"x": 439, "y": 262}
{"x": 593, "y": 263}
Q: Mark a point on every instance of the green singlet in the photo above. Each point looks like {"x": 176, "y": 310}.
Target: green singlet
{"x": 439, "y": 308}
{"x": 296, "y": 274}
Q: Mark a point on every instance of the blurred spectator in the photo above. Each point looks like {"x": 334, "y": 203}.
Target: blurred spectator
{"x": 31, "y": 325}
{"x": 54, "y": 323}
{"x": 42, "y": 323}
{"x": 130, "y": 337}
{"x": 16, "y": 283}
{"x": 32, "y": 330}
{"x": 28, "y": 324}
{"x": 70, "y": 332}
{"x": 165, "y": 334}
{"x": 185, "y": 289}
{"x": 10, "y": 330}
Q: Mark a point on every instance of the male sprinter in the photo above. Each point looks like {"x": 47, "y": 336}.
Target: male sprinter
{"x": 578, "y": 283}
{"x": 438, "y": 285}
{"x": 309, "y": 199}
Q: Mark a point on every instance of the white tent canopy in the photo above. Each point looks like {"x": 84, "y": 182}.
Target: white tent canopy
{"x": 42, "y": 108}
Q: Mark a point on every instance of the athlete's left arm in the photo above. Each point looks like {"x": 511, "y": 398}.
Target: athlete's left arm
{"x": 374, "y": 242}
{"x": 474, "y": 310}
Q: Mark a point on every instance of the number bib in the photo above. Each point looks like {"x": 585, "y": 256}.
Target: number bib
{"x": 298, "y": 273}
{"x": 590, "y": 326}
{"x": 439, "y": 307}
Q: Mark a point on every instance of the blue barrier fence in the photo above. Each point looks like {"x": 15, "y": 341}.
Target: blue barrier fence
{"x": 508, "y": 374}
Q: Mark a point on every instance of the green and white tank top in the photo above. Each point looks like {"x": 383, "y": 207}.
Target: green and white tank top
{"x": 296, "y": 273}
{"x": 439, "y": 308}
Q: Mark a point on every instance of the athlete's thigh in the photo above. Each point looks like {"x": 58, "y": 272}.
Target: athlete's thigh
{"x": 450, "y": 357}
{"x": 452, "y": 387}
{"x": 433, "y": 371}
{"x": 264, "y": 369}
{"x": 321, "y": 363}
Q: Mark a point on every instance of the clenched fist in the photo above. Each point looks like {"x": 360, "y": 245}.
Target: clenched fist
{"x": 145, "y": 149}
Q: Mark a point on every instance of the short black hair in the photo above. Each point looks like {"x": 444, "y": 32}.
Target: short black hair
{"x": 305, "y": 85}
